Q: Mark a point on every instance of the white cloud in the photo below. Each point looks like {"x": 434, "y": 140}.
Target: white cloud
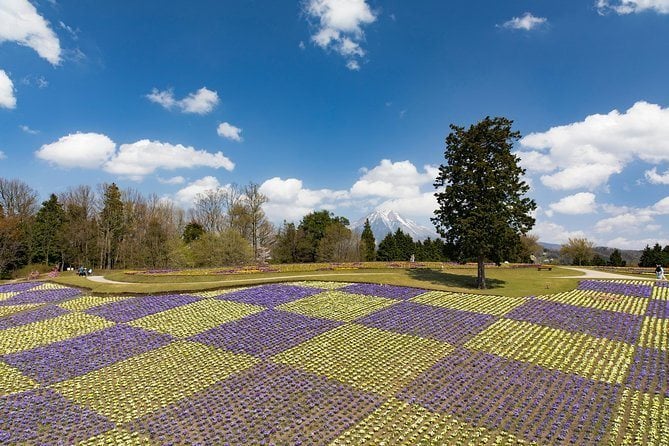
{"x": 629, "y": 222}
{"x": 527, "y": 22}
{"x": 585, "y": 154}
{"x": 340, "y": 25}
{"x": 419, "y": 207}
{"x": 638, "y": 244}
{"x": 229, "y": 131}
{"x": 136, "y": 160}
{"x": 2, "y": 155}
{"x": 624, "y": 7}
{"x": 554, "y": 233}
{"x": 28, "y": 130}
{"x": 144, "y": 157}
{"x": 173, "y": 180}
{"x": 657, "y": 178}
{"x": 200, "y": 102}
{"x": 187, "y": 195}
{"x": 7, "y": 98}
{"x": 581, "y": 203}
{"x": 21, "y": 23}
{"x": 85, "y": 150}
{"x": 393, "y": 180}
{"x": 661, "y": 207}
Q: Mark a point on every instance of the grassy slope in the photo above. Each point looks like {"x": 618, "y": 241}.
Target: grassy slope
{"x": 501, "y": 281}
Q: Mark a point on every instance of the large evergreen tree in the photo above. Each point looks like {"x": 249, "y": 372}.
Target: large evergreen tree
{"x": 47, "y": 236}
{"x": 111, "y": 225}
{"x": 482, "y": 206}
{"x": 369, "y": 243}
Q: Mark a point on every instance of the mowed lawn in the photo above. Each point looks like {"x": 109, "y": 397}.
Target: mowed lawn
{"x": 337, "y": 363}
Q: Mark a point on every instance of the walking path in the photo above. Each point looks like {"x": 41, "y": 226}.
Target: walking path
{"x": 592, "y": 274}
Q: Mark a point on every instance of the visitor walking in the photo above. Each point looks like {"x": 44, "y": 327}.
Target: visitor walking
{"x": 659, "y": 272}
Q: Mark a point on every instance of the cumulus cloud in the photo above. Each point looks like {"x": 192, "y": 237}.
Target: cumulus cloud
{"x": 585, "y": 154}
{"x": 554, "y": 233}
{"x": 623, "y": 223}
{"x": 28, "y": 130}
{"x": 21, "y": 23}
{"x": 229, "y": 131}
{"x": 200, "y": 102}
{"x": 84, "y": 150}
{"x": 7, "y": 98}
{"x": 527, "y": 22}
{"x": 581, "y": 203}
{"x": 627, "y": 243}
{"x": 421, "y": 206}
{"x": 624, "y": 7}
{"x": 290, "y": 200}
{"x": 187, "y": 195}
{"x": 172, "y": 180}
{"x": 393, "y": 180}
{"x": 135, "y": 160}
{"x": 657, "y": 178}
{"x": 340, "y": 24}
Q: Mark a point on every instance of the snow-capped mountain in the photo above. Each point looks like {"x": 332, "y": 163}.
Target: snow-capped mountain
{"x": 384, "y": 221}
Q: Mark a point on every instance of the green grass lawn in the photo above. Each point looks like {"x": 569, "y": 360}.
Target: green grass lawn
{"x": 503, "y": 281}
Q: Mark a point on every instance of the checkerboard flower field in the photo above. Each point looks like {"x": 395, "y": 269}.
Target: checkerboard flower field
{"x": 319, "y": 363}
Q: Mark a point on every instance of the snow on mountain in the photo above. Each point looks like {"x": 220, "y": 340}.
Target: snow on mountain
{"x": 384, "y": 221}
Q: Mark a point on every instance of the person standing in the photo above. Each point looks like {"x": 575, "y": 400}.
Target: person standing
{"x": 659, "y": 272}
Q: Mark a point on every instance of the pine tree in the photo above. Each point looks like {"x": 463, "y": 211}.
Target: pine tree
{"x": 367, "y": 238}
{"x": 47, "y": 240}
{"x": 111, "y": 226}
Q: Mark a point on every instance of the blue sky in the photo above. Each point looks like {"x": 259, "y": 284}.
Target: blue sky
{"x": 343, "y": 104}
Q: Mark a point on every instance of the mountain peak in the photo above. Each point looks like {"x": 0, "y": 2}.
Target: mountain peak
{"x": 384, "y": 221}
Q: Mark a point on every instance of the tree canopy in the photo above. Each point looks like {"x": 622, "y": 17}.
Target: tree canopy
{"x": 481, "y": 194}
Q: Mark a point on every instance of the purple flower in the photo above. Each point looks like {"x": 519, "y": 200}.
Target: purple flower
{"x": 130, "y": 309}
{"x": 389, "y": 291}
{"x": 270, "y": 295}
{"x": 30, "y": 316}
{"x": 627, "y": 289}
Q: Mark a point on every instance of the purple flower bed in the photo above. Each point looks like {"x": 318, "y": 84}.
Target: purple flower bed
{"x": 616, "y": 288}
{"x": 130, "y": 309}
{"x": 44, "y": 417}
{"x": 664, "y": 284}
{"x": 73, "y": 357}
{"x": 267, "y": 404}
{"x": 17, "y": 287}
{"x": 658, "y": 308}
{"x": 30, "y": 316}
{"x": 389, "y": 291}
{"x": 270, "y": 295}
{"x": 41, "y": 296}
{"x": 484, "y": 389}
{"x": 650, "y": 371}
{"x": 452, "y": 326}
{"x": 600, "y": 323}
{"x": 265, "y": 334}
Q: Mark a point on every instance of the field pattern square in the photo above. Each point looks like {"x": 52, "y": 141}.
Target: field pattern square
{"x": 399, "y": 423}
{"x": 337, "y": 305}
{"x": 655, "y": 333}
{"x": 44, "y": 417}
{"x": 139, "y": 385}
{"x": 13, "y": 309}
{"x": 443, "y": 324}
{"x": 366, "y": 358}
{"x": 270, "y": 295}
{"x": 641, "y": 419}
{"x": 85, "y": 302}
{"x": 191, "y": 319}
{"x": 25, "y": 337}
{"x": 36, "y": 296}
{"x": 649, "y": 371}
{"x": 388, "y": 291}
{"x": 73, "y": 357}
{"x": 7, "y": 295}
{"x": 658, "y": 308}
{"x": 595, "y": 358}
{"x": 627, "y": 288}
{"x": 600, "y": 301}
{"x": 265, "y": 334}
{"x": 320, "y": 284}
{"x": 488, "y": 304}
{"x": 266, "y": 404}
{"x": 117, "y": 436}
{"x": 623, "y": 327}
{"x": 12, "y": 380}
{"x": 137, "y": 307}
{"x": 488, "y": 390}
{"x": 17, "y": 287}
{"x": 27, "y": 317}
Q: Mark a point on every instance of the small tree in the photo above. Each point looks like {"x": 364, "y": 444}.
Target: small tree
{"x": 580, "y": 250}
{"x": 192, "y": 231}
{"x": 369, "y": 243}
{"x": 616, "y": 259}
{"x": 482, "y": 208}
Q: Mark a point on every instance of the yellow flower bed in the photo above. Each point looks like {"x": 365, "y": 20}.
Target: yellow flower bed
{"x": 337, "y": 305}
{"x": 642, "y": 419}
{"x": 595, "y": 358}
{"x": 5, "y": 296}
{"x": 494, "y": 305}
{"x": 660, "y": 293}
{"x": 655, "y": 333}
{"x": 191, "y": 319}
{"x": 402, "y": 424}
{"x": 136, "y": 386}
{"x": 86, "y": 302}
{"x": 12, "y": 380}
{"x": 117, "y": 437}
{"x": 11, "y": 309}
{"x": 321, "y": 284}
{"x": 366, "y": 358}
{"x": 600, "y": 301}
{"x": 35, "y": 334}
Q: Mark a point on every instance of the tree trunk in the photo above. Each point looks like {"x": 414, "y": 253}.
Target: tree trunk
{"x": 480, "y": 279}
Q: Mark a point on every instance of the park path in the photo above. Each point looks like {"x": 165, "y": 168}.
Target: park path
{"x": 591, "y": 274}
